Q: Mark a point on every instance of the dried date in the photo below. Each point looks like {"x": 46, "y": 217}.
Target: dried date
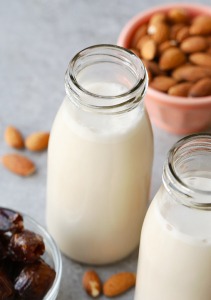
{"x": 10, "y": 221}
{"x": 26, "y": 246}
{"x": 34, "y": 281}
{"x": 6, "y": 287}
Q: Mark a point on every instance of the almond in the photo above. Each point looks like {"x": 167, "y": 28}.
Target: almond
{"x": 153, "y": 67}
{"x": 37, "y": 141}
{"x": 201, "y": 25}
{"x": 166, "y": 45}
{"x": 118, "y": 284}
{"x": 149, "y": 49}
{"x": 159, "y": 32}
{"x": 92, "y": 283}
{"x": 201, "y": 59}
{"x": 178, "y": 15}
{"x": 191, "y": 73}
{"x": 171, "y": 58}
{"x": 182, "y": 34}
{"x": 194, "y": 44}
{"x": 158, "y": 17}
{"x": 142, "y": 41}
{"x": 162, "y": 83}
{"x": 180, "y": 89}
{"x": 201, "y": 88}
{"x": 141, "y": 31}
{"x": 18, "y": 164}
{"x": 174, "y": 30}
{"x": 13, "y": 137}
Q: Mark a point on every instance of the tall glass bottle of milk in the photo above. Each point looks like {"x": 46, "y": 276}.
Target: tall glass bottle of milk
{"x": 100, "y": 157}
{"x": 175, "y": 249}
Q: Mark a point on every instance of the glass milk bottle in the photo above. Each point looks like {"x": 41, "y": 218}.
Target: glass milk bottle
{"x": 175, "y": 249}
{"x": 100, "y": 157}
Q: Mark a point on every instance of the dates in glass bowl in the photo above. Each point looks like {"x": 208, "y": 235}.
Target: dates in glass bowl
{"x": 23, "y": 272}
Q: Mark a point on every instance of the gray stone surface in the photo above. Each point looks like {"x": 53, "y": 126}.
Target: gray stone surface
{"x": 37, "y": 40}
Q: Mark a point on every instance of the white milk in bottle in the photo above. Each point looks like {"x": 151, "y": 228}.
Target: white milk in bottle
{"x": 100, "y": 157}
{"x": 175, "y": 249}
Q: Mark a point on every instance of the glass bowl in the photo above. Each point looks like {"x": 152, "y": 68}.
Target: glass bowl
{"x": 52, "y": 254}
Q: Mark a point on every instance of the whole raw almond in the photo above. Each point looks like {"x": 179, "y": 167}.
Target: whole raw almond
{"x": 92, "y": 283}
{"x": 178, "y": 15}
{"x": 166, "y": 45}
{"x": 201, "y": 25}
{"x": 13, "y": 137}
{"x": 194, "y": 44}
{"x": 153, "y": 67}
{"x": 149, "y": 49}
{"x": 201, "y": 59}
{"x": 158, "y": 17}
{"x": 141, "y": 31}
{"x": 118, "y": 284}
{"x": 182, "y": 34}
{"x": 171, "y": 58}
{"x": 159, "y": 32}
{"x": 162, "y": 83}
{"x": 201, "y": 88}
{"x": 142, "y": 41}
{"x": 174, "y": 30}
{"x": 18, "y": 164}
{"x": 37, "y": 141}
{"x": 180, "y": 89}
{"x": 191, "y": 73}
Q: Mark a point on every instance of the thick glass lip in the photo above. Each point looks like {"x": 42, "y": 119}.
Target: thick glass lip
{"x": 124, "y": 99}
{"x": 174, "y": 183}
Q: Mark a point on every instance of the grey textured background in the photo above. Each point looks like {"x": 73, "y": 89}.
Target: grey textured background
{"x": 37, "y": 40}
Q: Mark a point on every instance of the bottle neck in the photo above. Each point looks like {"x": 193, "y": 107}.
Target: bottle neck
{"x": 106, "y": 79}
{"x": 187, "y": 171}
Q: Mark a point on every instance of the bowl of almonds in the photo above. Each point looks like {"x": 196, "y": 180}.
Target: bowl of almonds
{"x": 174, "y": 42}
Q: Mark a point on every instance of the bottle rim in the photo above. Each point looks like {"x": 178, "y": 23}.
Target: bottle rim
{"x": 121, "y": 102}
{"x": 174, "y": 184}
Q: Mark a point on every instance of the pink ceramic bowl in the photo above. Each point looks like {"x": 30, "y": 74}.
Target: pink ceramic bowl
{"x": 178, "y": 115}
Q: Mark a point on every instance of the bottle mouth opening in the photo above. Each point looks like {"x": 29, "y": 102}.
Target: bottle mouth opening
{"x": 106, "y": 64}
{"x": 187, "y": 171}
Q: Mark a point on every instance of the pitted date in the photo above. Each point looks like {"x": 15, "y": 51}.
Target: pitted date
{"x": 23, "y": 274}
{"x": 4, "y": 241}
{"x": 10, "y": 221}
{"x": 6, "y": 287}
{"x": 34, "y": 281}
{"x": 26, "y": 246}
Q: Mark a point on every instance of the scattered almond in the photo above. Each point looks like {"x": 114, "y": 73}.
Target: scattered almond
{"x": 18, "y": 164}
{"x": 162, "y": 83}
{"x": 171, "y": 58}
{"x": 194, "y": 44}
{"x": 92, "y": 284}
{"x": 13, "y": 137}
{"x": 37, "y": 141}
{"x": 202, "y": 88}
{"x": 180, "y": 89}
{"x": 118, "y": 284}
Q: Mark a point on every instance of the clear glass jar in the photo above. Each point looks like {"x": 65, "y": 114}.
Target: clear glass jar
{"x": 100, "y": 157}
{"x": 175, "y": 250}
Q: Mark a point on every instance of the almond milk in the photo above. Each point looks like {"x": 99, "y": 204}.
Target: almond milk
{"x": 175, "y": 251}
{"x": 98, "y": 181}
